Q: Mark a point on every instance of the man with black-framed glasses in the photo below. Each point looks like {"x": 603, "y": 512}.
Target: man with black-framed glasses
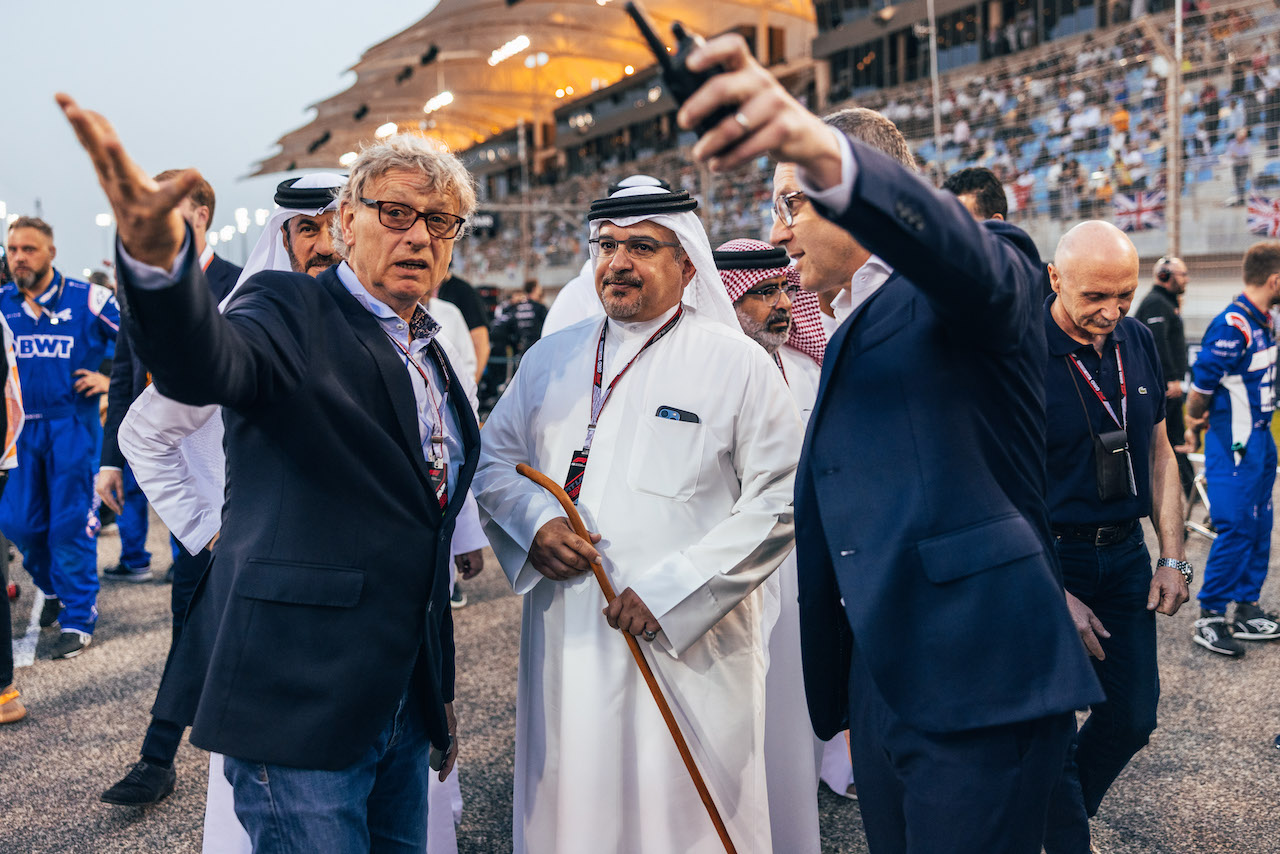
{"x": 317, "y": 658}
{"x": 401, "y": 217}
{"x": 825, "y": 255}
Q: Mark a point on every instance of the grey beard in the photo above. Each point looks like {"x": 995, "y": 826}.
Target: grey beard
{"x": 25, "y": 282}
{"x": 620, "y": 311}
{"x": 755, "y": 330}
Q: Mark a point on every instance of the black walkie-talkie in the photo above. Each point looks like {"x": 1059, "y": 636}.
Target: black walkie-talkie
{"x": 680, "y": 81}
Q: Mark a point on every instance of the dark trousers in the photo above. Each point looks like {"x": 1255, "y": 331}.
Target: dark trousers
{"x": 160, "y": 744}
{"x": 1114, "y": 582}
{"x": 133, "y": 524}
{"x": 1240, "y": 172}
{"x": 1176, "y": 429}
{"x": 950, "y": 793}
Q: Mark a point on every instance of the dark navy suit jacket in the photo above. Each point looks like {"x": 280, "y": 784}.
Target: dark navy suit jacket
{"x": 129, "y": 375}
{"x": 921, "y": 529}
{"x": 328, "y": 595}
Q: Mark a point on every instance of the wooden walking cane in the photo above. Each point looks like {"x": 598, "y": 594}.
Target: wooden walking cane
{"x": 607, "y": 588}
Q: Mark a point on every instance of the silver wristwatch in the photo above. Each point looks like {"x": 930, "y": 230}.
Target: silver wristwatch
{"x": 1183, "y": 566}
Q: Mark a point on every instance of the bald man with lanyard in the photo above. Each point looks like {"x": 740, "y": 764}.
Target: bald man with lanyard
{"x": 1110, "y": 464}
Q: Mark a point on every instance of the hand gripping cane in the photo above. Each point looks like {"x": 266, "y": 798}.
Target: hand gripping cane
{"x": 681, "y": 745}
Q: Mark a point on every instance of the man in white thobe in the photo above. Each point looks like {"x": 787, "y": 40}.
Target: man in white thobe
{"x": 783, "y": 319}
{"x": 686, "y": 490}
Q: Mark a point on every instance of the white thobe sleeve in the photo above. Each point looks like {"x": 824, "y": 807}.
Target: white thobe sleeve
{"x": 691, "y": 590}
{"x": 187, "y": 499}
{"x": 512, "y": 507}
{"x": 465, "y": 371}
{"x": 468, "y": 535}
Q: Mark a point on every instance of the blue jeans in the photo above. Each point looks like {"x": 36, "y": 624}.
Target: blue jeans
{"x": 1114, "y": 582}
{"x": 376, "y": 805}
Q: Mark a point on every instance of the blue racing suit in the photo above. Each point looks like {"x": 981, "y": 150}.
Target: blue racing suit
{"x": 1237, "y": 365}
{"x": 46, "y": 509}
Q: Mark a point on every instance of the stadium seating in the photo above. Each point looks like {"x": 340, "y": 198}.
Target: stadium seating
{"x": 1095, "y": 98}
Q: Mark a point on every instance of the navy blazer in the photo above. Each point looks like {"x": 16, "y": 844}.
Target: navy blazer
{"x": 129, "y": 376}
{"x": 328, "y": 594}
{"x": 222, "y": 276}
{"x": 921, "y": 529}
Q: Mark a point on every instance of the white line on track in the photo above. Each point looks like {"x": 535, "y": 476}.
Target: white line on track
{"x": 24, "y": 649}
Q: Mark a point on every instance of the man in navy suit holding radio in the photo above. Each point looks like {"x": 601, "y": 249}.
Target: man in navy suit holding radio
{"x": 932, "y": 613}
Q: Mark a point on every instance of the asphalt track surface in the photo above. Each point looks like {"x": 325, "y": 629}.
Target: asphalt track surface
{"x": 1209, "y": 781}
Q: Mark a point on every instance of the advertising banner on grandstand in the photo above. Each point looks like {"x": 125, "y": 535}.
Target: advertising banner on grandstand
{"x": 1264, "y": 216}
{"x": 1140, "y": 211}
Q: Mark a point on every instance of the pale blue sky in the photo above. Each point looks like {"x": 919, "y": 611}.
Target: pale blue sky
{"x": 210, "y": 85}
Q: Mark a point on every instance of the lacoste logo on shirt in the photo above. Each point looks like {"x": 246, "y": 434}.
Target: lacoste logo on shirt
{"x": 1142, "y": 389}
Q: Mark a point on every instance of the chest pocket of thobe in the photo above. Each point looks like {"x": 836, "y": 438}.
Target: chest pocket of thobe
{"x": 667, "y": 457}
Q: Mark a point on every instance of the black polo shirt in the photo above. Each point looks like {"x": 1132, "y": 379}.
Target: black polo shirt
{"x": 1073, "y": 483}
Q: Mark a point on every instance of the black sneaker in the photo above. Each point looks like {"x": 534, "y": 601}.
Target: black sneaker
{"x": 1253, "y": 623}
{"x": 120, "y": 572}
{"x": 1214, "y": 634}
{"x": 146, "y": 783}
{"x": 70, "y": 644}
{"x": 49, "y": 613}
{"x": 457, "y": 598}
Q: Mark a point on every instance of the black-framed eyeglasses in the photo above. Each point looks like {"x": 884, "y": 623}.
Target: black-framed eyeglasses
{"x": 398, "y": 216}
{"x": 785, "y": 206}
{"x": 639, "y": 248}
{"x": 772, "y": 294}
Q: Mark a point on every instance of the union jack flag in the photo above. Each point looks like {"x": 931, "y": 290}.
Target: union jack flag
{"x": 1264, "y": 216}
{"x": 1139, "y": 212}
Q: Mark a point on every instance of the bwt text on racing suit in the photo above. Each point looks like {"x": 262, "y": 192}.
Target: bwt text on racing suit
{"x": 1237, "y": 366}
{"x": 46, "y": 506}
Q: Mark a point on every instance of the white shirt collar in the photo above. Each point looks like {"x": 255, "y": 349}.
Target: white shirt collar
{"x": 379, "y": 309}
{"x": 372, "y": 304}
{"x": 870, "y": 276}
{"x": 206, "y": 256}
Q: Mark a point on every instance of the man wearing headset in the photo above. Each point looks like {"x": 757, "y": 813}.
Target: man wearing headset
{"x": 1160, "y": 311}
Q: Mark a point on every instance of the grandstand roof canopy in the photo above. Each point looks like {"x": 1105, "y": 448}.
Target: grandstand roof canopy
{"x": 573, "y": 46}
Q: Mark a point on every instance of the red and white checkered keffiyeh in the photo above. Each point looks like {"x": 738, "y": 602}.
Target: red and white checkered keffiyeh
{"x": 807, "y": 334}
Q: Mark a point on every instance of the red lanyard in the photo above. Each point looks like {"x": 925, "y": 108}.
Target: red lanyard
{"x": 599, "y": 398}
{"x": 1123, "y": 420}
{"x": 436, "y": 469}
{"x": 777, "y": 360}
